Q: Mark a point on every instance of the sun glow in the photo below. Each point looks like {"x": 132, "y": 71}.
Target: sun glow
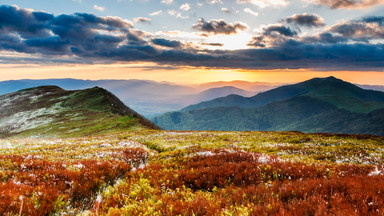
{"x": 177, "y": 74}
{"x": 230, "y": 42}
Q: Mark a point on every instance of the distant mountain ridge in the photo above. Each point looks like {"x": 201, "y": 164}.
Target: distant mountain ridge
{"x": 50, "y": 110}
{"x": 316, "y": 105}
{"x": 246, "y": 85}
{"x": 321, "y": 88}
{"x": 146, "y": 97}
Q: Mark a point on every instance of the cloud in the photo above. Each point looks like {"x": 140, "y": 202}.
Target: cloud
{"x": 360, "y": 30}
{"x": 279, "y": 29}
{"x": 308, "y": 20}
{"x": 324, "y": 38}
{"x": 167, "y": 2}
{"x": 99, "y": 8}
{"x": 249, "y": 11}
{"x": 167, "y": 43}
{"x": 142, "y": 20}
{"x": 177, "y": 14}
{"x": 374, "y": 19}
{"x": 363, "y": 30}
{"x": 219, "y": 27}
{"x": 225, "y": 10}
{"x": 273, "y": 35}
{"x": 78, "y": 34}
{"x": 87, "y": 38}
{"x": 264, "y": 3}
{"x": 185, "y": 7}
{"x": 350, "y": 4}
{"x": 212, "y": 2}
{"x": 213, "y": 44}
{"x": 156, "y": 13}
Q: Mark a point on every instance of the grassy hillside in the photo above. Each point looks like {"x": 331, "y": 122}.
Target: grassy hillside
{"x": 52, "y": 111}
{"x": 317, "y": 105}
{"x": 342, "y": 94}
{"x": 151, "y": 172}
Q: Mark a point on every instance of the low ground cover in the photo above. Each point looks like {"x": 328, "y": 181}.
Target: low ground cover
{"x": 149, "y": 172}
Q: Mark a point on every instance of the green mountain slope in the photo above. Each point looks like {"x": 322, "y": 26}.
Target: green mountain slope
{"x": 342, "y": 94}
{"x": 52, "y": 111}
{"x": 317, "y": 105}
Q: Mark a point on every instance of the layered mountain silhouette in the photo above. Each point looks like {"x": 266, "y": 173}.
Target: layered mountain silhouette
{"x": 52, "y": 111}
{"x": 317, "y": 105}
{"x": 148, "y": 97}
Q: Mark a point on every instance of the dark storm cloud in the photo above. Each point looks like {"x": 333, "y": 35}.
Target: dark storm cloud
{"x": 309, "y": 20}
{"x": 218, "y": 27}
{"x": 324, "y": 38}
{"x": 272, "y": 35}
{"x": 41, "y": 32}
{"x": 86, "y": 38}
{"x": 279, "y": 29}
{"x": 374, "y": 19}
{"x": 24, "y": 22}
{"x": 350, "y": 4}
{"x": 357, "y": 30}
{"x": 213, "y": 44}
{"x": 295, "y": 55}
{"x": 362, "y": 30}
{"x": 167, "y": 43}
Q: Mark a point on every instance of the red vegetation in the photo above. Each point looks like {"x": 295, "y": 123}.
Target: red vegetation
{"x": 263, "y": 185}
{"x": 36, "y": 186}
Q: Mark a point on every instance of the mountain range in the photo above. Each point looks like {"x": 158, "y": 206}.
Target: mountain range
{"x": 52, "y": 111}
{"x": 149, "y": 98}
{"x": 316, "y": 105}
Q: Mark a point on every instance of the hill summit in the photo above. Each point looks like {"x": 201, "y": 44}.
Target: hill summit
{"x": 50, "y": 110}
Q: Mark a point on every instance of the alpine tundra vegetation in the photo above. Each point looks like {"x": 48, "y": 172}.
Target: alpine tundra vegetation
{"x": 153, "y": 172}
{"x": 130, "y": 167}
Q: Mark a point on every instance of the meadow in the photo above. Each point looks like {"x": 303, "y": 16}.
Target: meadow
{"x": 152, "y": 172}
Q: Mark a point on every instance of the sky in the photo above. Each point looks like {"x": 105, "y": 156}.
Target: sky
{"x": 193, "y": 41}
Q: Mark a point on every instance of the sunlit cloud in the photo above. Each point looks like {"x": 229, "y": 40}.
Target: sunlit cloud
{"x": 167, "y": 2}
{"x": 212, "y": 2}
{"x": 350, "y": 4}
{"x": 99, "y": 8}
{"x": 155, "y": 13}
{"x": 264, "y": 3}
{"x": 177, "y": 14}
{"x": 249, "y": 11}
{"x": 185, "y": 7}
{"x": 225, "y": 10}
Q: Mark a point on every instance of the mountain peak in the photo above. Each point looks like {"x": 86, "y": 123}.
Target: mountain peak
{"x": 43, "y": 89}
{"x": 330, "y": 79}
